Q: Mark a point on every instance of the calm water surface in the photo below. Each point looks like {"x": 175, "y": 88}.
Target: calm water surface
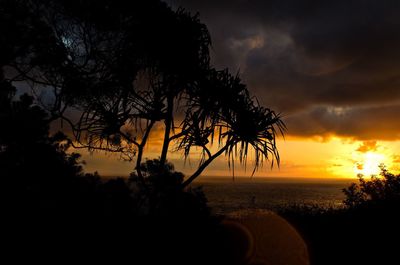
{"x": 225, "y": 195}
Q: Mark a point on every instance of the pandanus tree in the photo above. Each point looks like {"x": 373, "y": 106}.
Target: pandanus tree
{"x": 119, "y": 71}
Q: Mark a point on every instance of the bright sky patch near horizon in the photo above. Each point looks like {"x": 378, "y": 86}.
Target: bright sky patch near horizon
{"x": 303, "y": 158}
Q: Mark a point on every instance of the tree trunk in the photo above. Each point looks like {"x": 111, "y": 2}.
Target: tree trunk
{"x": 168, "y": 123}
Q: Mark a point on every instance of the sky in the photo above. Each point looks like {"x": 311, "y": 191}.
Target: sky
{"x": 330, "y": 68}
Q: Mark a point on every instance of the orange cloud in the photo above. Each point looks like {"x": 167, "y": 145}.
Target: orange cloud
{"x": 367, "y": 146}
{"x": 396, "y": 159}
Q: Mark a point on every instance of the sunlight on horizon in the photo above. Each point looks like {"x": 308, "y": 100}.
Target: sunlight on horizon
{"x": 359, "y": 158}
{"x": 300, "y": 158}
{"x": 369, "y": 165}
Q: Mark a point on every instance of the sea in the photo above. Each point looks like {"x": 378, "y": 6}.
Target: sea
{"x": 227, "y": 195}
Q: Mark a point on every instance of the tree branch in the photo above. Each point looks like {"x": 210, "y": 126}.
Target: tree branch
{"x": 140, "y": 150}
{"x": 168, "y": 123}
{"x": 178, "y": 135}
{"x": 203, "y": 166}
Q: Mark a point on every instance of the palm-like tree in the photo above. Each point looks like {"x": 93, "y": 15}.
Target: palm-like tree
{"x": 222, "y": 110}
{"x": 146, "y": 66}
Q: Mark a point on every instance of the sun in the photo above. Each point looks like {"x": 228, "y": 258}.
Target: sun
{"x": 369, "y": 164}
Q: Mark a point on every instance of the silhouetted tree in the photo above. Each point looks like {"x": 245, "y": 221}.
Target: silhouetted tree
{"x": 383, "y": 190}
{"x": 116, "y": 72}
{"x": 369, "y": 218}
{"x": 161, "y": 192}
{"x": 35, "y": 165}
{"x": 131, "y": 68}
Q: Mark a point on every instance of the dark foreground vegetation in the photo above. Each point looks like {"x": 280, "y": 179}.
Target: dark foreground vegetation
{"x": 56, "y": 213}
{"x": 365, "y": 231}
{"x": 109, "y": 72}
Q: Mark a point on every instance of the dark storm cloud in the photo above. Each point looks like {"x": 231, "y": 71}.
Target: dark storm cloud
{"x": 363, "y": 123}
{"x": 304, "y": 58}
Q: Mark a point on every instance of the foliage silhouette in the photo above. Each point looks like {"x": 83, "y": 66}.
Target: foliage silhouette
{"x": 161, "y": 193}
{"x": 363, "y": 231}
{"x": 27, "y": 153}
{"x": 50, "y": 198}
{"x": 147, "y": 67}
{"x": 43, "y": 178}
{"x": 115, "y": 72}
{"x": 383, "y": 190}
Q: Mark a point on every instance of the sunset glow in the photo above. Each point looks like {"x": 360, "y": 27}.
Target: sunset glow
{"x": 340, "y": 104}
{"x": 300, "y": 157}
{"x": 236, "y": 132}
{"x": 370, "y": 164}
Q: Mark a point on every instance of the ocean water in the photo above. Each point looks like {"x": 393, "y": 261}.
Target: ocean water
{"x": 226, "y": 195}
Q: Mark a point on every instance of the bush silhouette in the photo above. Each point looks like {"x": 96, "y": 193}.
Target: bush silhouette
{"x": 35, "y": 162}
{"x": 378, "y": 191}
{"x": 360, "y": 232}
{"x": 43, "y": 177}
{"x": 162, "y": 194}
